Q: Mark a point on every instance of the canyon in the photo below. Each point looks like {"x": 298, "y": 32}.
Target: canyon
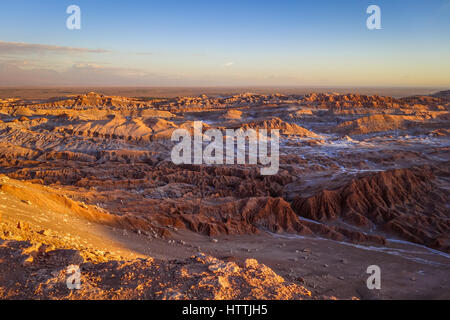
{"x": 88, "y": 179}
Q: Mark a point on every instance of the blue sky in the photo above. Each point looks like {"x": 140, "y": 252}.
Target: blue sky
{"x": 207, "y": 43}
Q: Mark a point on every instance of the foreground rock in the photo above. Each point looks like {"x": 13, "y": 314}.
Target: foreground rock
{"x": 406, "y": 203}
{"x": 44, "y": 276}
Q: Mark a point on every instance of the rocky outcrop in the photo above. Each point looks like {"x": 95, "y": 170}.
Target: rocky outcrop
{"x": 377, "y": 123}
{"x": 403, "y": 202}
{"x": 442, "y": 94}
{"x": 289, "y": 129}
{"x": 232, "y": 115}
{"x": 245, "y": 216}
{"x": 200, "y": 277}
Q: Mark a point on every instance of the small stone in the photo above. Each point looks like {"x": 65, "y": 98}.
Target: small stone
{"x": 325, "y": 265}
{"x": 64, "y": 257}
{"x": 214, "y": 240}
{"x": 42, "y": 249}
{"x": 22, "y": 225}
{"x": 44, "y": 232}
{"x": 300, "y": 279}
{"x": 27, "y": 261}
{"x": 341, "y": 278}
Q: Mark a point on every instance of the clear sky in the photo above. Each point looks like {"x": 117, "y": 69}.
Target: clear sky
{"x": 223, "y": 43}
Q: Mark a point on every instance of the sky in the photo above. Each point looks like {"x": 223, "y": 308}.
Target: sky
{"x": 225, "y": 43}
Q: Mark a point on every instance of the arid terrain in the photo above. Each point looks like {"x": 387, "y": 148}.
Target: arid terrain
{"x": 88, "y": 180}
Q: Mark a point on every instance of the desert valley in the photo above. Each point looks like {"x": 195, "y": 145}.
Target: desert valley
{"x": 88, "y": 180}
